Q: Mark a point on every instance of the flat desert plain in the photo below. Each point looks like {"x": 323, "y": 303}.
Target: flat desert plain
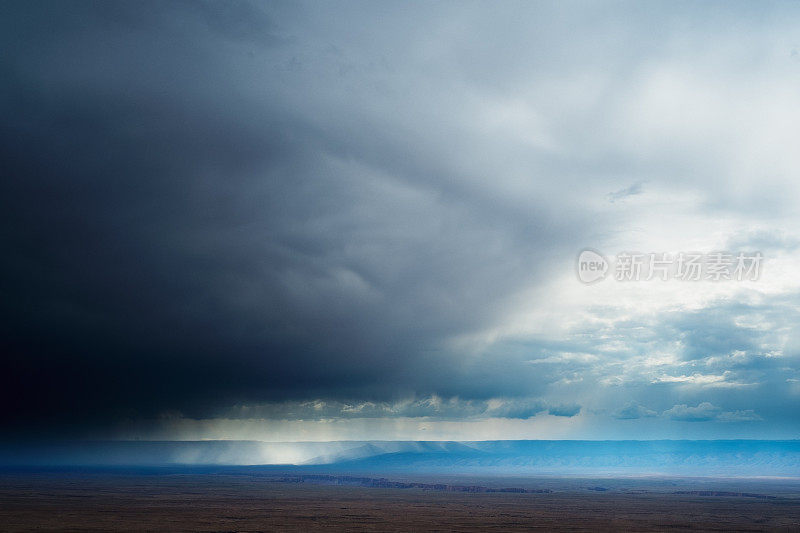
{"x": 216, "y": 502}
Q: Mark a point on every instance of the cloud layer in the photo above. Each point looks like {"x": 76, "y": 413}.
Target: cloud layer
{"x": 242, "y": 211}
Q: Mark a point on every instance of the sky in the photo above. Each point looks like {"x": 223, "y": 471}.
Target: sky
{"x": 314, "y": 221}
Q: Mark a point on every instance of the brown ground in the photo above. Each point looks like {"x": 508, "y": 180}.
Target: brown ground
{"x": 246, "y": 503}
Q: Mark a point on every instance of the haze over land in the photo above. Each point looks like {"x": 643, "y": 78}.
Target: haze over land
{"x": 694, "y": 459}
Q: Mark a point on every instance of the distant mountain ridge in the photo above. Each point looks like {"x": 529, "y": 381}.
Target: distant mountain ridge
{"x": 535, "y": 457}
{"x": 721, "y": 457}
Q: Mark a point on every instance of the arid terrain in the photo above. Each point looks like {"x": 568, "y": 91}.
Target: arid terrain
{"x": 91, "y": 501}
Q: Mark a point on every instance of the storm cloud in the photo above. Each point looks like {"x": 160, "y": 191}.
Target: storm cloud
{"x": 245, "y": 211}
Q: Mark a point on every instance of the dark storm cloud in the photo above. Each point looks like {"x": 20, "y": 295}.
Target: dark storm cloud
{"x": 215, "y": 213}
{"x": 110, "y": 142}
{"x": 182, "y": 231}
